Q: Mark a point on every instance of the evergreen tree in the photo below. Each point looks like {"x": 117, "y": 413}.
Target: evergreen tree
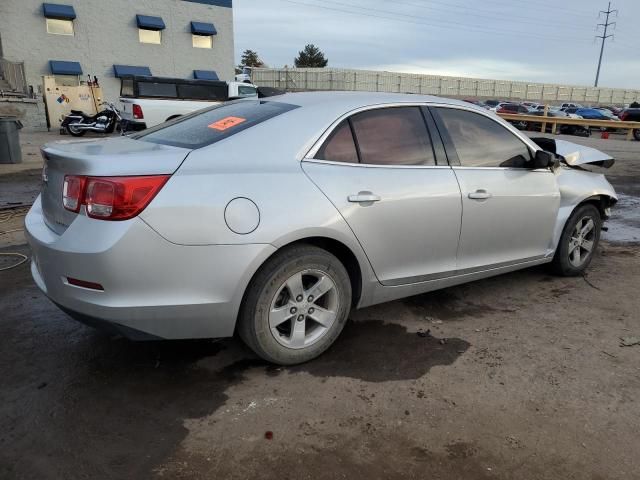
{"x": 311, "y": 57}
{"x": 250, "y": 58}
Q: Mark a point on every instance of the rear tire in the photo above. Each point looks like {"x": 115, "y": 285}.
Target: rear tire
{"x": 578, "y": 242}
{"x": 296, "y": 305}
{"x": 73, "y": 132}
{"x": 636, "y": 134}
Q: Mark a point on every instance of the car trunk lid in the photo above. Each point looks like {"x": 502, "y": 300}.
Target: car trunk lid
{"x": 106, "y": 157}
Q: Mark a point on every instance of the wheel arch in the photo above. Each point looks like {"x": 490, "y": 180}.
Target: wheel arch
{"x": 172, "y": 117}
{"x": 337, "y": 248}
{"x": 601, "y": 200}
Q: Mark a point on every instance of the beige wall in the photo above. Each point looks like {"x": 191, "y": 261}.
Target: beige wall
{"x": 106, "y": 34}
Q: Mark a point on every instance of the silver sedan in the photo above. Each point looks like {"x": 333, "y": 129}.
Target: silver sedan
{"x": 275, "y": 217}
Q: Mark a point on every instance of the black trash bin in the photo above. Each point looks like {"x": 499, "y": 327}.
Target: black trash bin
{"x": 10, "y": 140}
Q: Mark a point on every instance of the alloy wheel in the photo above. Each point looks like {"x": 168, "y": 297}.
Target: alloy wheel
{"x": 582, "y": 241}
{"x": 304, "y": 309}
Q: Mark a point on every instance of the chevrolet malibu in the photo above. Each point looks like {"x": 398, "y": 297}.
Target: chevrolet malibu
{"x": 275, "y": 217}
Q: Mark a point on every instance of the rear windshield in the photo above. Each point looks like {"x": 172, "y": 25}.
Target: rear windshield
{"x": 211, "y": 125}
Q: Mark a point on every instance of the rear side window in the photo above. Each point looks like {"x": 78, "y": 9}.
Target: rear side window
{"x": 162, "y": 90}
{"x": 202, "y": 92}
{"x": 211, "y": 125}
{"x": 482, "y": 142}
{"x": 393, "y": 136}
{"x": 340, "y": 146}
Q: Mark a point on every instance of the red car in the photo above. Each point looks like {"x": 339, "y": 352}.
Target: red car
{"x": 513, "y": 108}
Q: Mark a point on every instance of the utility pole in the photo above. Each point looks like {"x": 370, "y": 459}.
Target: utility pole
{"x": 604, "y": 36}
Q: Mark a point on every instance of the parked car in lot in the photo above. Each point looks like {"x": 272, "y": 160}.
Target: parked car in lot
{"x": 150, "y": 101}
{"x": 275, "y": 217}
{"x": 632, "y": 115}
{"x": 577, "y": 130}
{"x": 489, "y": 104}
{"x": 594, "y": 114}
{"x": 498, "y": 106}
{"x": 570, "y": 105}
{"x": 513, "y": 108}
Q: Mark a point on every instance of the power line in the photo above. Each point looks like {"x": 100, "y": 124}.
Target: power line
{"x": 411, "y": 19}
{"x": 604, "y": 36}
{"x": 553, "y": 6}
{"x": 493, "y": 15}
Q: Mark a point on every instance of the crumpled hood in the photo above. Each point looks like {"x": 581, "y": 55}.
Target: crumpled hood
{"x": 575, "y": 154}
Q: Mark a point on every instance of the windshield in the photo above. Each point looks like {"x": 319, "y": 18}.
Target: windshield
{"x": 211, "y": 125}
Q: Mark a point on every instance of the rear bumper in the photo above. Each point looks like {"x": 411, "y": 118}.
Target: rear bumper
{"x": 131, "y": 126}
{"x": 152, "y": 288}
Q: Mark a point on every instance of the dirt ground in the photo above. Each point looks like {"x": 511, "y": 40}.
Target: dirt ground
{"x": 516, "y": 377}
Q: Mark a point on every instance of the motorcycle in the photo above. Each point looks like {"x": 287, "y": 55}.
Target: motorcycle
{"x": 77, "y": 123}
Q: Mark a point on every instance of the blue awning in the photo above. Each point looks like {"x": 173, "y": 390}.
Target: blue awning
{"x": 61, "y": 67}
{"x": 150, "y": 23}
{"x": 200, "y": 28}
{"x": 61, "y": 12}
{"x": 216, "y": 3}
{"x": 125, "y": 70}
{"x": 205, "y": 75}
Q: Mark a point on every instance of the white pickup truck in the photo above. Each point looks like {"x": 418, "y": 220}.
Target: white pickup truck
{"x": 149, "y": 101}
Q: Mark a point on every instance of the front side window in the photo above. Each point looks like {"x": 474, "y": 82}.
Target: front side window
{"x": 202, "y": 41}
{"x": 482, "y": 142}
{"x": 393, "y": 136}
{"x": 150, "y": 36}
{"x": 339, "y": 147}
{"x": 59, "y": 27}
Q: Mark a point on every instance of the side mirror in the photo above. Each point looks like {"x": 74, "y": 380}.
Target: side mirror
{"x": 543, "y": 159}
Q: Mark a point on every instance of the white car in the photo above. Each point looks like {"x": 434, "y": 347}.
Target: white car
{"x": 150, "y": 101}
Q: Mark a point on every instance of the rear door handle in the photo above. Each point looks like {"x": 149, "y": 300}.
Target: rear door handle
{"x": 479, "y": 195}
{"x": 363, "y": 197}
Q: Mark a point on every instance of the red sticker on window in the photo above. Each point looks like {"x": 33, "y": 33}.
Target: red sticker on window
{"x": 226, "y": 123}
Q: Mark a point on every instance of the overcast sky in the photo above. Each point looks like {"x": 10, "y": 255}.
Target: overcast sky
{"x": 535, "y": 40}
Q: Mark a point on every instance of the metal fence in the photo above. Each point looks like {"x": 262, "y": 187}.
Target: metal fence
{"x": 302, "y": 79}
{"x": 13, "y": 73}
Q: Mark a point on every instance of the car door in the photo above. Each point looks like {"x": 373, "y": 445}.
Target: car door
{"x": 378, "y": 167}
{"x": 508, "y": 209}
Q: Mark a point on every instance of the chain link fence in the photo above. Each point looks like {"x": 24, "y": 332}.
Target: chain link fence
{"x": 304, "y": 79}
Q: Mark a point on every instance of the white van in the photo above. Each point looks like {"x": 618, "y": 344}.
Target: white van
{"x": 149, "y": 101}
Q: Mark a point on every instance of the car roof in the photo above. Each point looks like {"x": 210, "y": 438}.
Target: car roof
{"x": 346, "y": 101}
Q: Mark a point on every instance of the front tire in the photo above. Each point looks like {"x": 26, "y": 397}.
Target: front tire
{"x": 296, "y": 305}
{"x": 636, "y": 134}
{"x": 578, "y": 242}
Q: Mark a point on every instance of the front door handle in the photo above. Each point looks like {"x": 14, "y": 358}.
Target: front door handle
{"x": 479, "y": 195}
{"x": 363, "y": 197}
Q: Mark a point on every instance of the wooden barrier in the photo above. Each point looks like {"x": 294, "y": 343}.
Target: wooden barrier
{"x": 555, "y": 121}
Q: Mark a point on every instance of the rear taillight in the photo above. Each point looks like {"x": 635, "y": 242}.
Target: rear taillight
{"x": 624, "y": 116}
{"x": 137, "y": 112}
{"x": 113, "y": 198}
{"x": 72, "y": 192}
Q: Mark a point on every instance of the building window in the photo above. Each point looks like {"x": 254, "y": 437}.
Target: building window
{"x": 150, "y": 36}
{"x": 59, "y": 27}
{"x": 201, "y": 41}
